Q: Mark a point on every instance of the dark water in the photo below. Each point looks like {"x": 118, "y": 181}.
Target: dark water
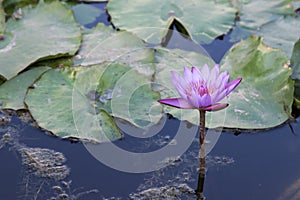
{"x": 250, "y": 166}
{"x": 261, "y": 165}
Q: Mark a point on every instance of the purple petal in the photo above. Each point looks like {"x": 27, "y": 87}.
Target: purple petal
{"x": 215, "y": 107}
{"x": 193, "y": 99}
{"x": 176, "y": 102}
{"x": 222, "y": 80}
{"x": 230, "y": 86}
{"x": 205, "y": 72}
{"x": 197, "y": 75}
{"x": 219, "y": 96}
{"x": 213, "y": 77}
{"x": 187, "y": 75}
{"x": 179, "y": 83}
{"x": 216, "y": 69}
{"x": 205, "y": 100}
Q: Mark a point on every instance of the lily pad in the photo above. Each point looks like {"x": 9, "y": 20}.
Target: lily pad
{"x": 282, "y": 33}
{"x": 2, "y": 21}
{"x": 253, "y": 14}
{"x": 295, "y": 64}
{"x": 103, "y": 44}
{"x": 256, "y": 13}
{"x": 58, "y": 106}
{"x": 122, "y": 91}
{"x": 48, "y": 30}
{"x": 204, "y": 20}
{"x": 126, "y": 93}
{"x": 295, "y": 61}
{"x": 265, "y": 96}
{"x": 13, "y": 91}
{"x": 86, "y": 13}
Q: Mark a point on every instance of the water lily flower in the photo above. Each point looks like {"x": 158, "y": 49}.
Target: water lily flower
{"x": 201, "y": 89}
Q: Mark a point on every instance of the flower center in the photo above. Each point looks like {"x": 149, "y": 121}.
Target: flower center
{"x": 199, "y": 87}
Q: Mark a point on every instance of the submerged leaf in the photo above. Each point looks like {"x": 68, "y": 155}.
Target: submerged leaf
{"x": 48, "y": 30}
{"x": 13, "y": 91}
{"x": 60, "y": 107}
{"x": 204, "y": 20}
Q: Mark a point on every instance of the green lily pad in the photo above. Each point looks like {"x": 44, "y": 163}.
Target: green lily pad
{"x": 295, "y": 64}
{"x": 264, "y": 97}
{"x": 122, "y": 91}
{"x": 48, "y": 30}
{"x": 13, "y": 91}
{"x": 253, "y": 14}
{"x": 126, "y": 93}
{"x": 2, "y": 21}
{"x": 58, "y": 106}
{"x": 282, "y": 33}
{"x": 103, "y": 44}
{"x": 86, "y": 13}
{"x": 204, "y": 20}
{"x": 295, "y": 61}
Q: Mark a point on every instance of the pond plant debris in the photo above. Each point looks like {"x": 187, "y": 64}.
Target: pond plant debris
{"x": 43, "y": 168}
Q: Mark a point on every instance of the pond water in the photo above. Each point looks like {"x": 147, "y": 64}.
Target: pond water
{"x": 248, "y": 165}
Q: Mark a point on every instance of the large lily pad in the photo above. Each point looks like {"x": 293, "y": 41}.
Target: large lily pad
{"x": 58, "y": 106}
{"x": 13, "y": 91}
{"x": 265, "y": 96}
{"x": 48, "y": 30}
{"x": 103, "y": 44}
{"x": 204, "y": 20}
{"x": 282, "y": 33}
